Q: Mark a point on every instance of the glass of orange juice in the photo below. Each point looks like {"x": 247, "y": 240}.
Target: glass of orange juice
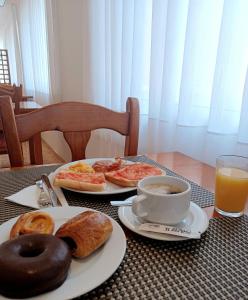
{"x": 231, "y": 185}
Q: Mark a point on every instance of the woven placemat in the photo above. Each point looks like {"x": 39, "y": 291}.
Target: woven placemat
{"x": 214, "y": 267}
{"x": 13, "y": 181}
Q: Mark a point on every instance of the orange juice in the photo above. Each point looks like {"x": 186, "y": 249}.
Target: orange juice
{"x": 231, "y": 189}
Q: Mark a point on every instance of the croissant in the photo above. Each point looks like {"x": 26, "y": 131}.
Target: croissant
{"x": 32, "y": 222}
{"x": 85, "y": 232}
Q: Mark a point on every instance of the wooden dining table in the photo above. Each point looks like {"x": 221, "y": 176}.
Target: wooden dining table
{"x": 28, "y": 106}
{"x": 212, "y": 267}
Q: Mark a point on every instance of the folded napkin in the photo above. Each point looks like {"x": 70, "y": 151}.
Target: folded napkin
{"x": 30, "y": 195}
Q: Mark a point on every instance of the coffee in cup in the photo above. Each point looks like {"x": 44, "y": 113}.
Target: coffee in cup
{"x": 162, "y": 188}
{"x": 162, "y": 199}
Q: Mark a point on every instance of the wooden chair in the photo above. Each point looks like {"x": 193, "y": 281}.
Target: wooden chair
{"x": 75, "y": 119}
{"x": 3, "y": 146}
{"x": 15, "y": 92}
{"x": 5, "y": 86}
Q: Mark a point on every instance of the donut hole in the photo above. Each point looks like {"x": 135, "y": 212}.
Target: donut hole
{"x": 31, "y": 252}
{"x": 70, "y": 242}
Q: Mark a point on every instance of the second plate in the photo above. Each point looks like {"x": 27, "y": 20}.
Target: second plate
{"x": 110, "y": 188}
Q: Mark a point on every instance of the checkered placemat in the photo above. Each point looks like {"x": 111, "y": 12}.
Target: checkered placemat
{"x": 214, "y": 267}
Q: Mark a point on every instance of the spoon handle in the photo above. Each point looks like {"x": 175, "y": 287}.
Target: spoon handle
{"x": 121, "y": 203}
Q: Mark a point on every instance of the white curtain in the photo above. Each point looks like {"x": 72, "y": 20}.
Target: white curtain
{"x": 30, "y": 17}
{"x": 24, "y": 33}
{"x": 186, "y": 61}
{"x": 9, "y": 41}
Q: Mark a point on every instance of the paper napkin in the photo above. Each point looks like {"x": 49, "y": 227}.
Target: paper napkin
{"x": 30, "y": 195}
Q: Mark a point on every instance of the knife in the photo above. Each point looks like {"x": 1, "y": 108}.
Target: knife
{"x": 54, "y": 199}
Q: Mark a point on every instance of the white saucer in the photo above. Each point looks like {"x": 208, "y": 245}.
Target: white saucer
{"x": 196, "y": 219}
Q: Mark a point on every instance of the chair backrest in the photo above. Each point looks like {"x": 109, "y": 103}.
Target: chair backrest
{"x": 75, "y": 119}
{"x": 5, "y": 86}
{"x": 13, "y": 91}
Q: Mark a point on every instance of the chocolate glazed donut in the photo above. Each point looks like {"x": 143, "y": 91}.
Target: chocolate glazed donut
{"x": 33, "y": 264}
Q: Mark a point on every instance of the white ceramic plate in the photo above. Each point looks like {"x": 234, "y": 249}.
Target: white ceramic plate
{"x": 85, "y": 274}
{"x": 196, "y": 219}
{"x": 110, "y": 188}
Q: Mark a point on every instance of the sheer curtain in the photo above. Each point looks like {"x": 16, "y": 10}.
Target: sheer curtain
{"x": 31, "y": 48}
{"x": 8, "y": 40}
{"x": 186, "y": 61}
{"x": 24, "y": 34}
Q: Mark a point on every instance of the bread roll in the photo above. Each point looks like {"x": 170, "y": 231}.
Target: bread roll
{"x": 85, "y": 232}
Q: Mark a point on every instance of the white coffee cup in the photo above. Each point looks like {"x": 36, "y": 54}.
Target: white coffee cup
{"x": 157, "y": 207}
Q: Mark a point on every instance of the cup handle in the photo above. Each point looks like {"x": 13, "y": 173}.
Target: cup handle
{"x": 136, "y": 206}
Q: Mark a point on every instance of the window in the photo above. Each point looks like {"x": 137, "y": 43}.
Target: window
{"x": 4, "y": 67}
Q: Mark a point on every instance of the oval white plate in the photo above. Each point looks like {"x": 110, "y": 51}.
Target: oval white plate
{"x": 110, "y": 188}
{"x": 197, "y": 220}
{"x": 85, "y": 274}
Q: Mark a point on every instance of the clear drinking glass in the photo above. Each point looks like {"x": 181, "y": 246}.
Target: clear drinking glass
{"x": 231, "y": 185}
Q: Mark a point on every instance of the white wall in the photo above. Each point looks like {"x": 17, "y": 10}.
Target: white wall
{"x": 70, "y": 25}
{"x": 66, "y": 20}
{"x": 2, "y": 13}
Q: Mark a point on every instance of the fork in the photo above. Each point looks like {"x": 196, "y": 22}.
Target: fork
{"x": 43, "y": 200}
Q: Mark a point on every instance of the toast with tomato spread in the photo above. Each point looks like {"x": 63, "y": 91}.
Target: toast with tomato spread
{"x": 131, "y": 174}
{"x": 94, "y": 182}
